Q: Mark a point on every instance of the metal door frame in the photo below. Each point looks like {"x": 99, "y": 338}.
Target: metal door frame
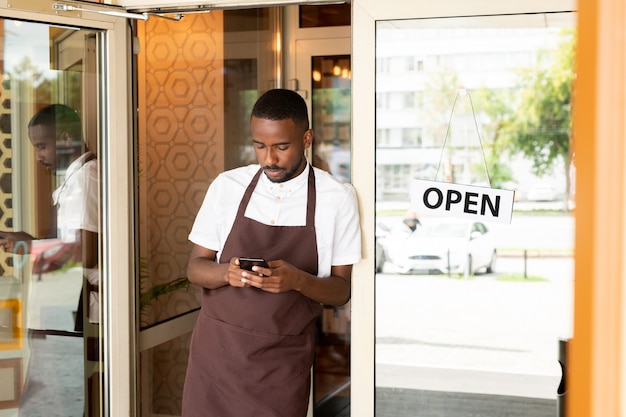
{"x": 116, "y": 170}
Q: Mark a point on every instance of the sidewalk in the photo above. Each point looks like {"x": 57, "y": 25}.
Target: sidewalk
{"x": 476, "y": 335}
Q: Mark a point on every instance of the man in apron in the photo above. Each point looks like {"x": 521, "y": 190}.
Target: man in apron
{"x": 253, "y": 344}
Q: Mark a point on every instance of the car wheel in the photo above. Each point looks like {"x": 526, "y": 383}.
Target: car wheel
{"x": 491, "y": 268}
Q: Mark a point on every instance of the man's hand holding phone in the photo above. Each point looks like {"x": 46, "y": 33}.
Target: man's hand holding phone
{"x": 274, "y": 276}
{"x": 253, "y": 271}
{"x": 249, "y": 263}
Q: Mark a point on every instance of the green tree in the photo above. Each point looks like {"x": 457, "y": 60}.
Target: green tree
{"x": 439, "y": 93}
{"x": 493, "y": 107}
{"x": 44, "y": 83}
{"x": 540, "y": 126}
{"x": 489, "y": 106}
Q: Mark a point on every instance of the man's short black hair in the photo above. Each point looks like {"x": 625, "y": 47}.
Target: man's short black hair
{"x": 281, "y": 104}
{"x": 64, "y": 118}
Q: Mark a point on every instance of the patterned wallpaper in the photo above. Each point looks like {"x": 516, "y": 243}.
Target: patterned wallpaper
{"x": 181, "y": 149}
{"x": 6, "y": 188}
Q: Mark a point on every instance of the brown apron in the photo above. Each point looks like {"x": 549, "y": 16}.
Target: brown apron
{"x": 251, "y": 351}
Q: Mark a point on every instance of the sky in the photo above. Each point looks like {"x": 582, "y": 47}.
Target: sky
{"x": 22, "y": 39}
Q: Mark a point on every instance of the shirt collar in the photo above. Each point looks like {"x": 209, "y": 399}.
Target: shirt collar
{"x": 78, "y": 162}
{"x": 289, "y": 185}
{"x": 71, "y": 170}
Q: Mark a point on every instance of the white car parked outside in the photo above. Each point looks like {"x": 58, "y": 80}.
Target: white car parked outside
{"x": 444, "y": 245}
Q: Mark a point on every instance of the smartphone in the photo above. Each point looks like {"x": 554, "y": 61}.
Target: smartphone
{"x": 248, "y": 263}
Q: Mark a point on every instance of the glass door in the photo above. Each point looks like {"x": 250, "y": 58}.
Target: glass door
{"x": 331, "y": 119}
{"x": 323, "y": 71}
{"x": 491, "y": 308}
{"x": 50, "y": 288}
{"x": 198, "y": 79}
{"x": 430, "y": 332}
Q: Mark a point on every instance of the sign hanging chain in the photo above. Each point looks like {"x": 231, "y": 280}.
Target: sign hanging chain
{"x": 463, "y": 92}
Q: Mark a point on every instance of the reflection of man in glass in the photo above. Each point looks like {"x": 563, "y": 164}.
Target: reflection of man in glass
{"x": 56, "y": 133}
{"x": 76, "y": 198}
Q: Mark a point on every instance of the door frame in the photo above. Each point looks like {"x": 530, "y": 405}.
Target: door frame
{"x": 115, "y": 160}
{"x": 117, "y": 174}
{"x": 365, "y": 14}
{"x": 302, "y": 43}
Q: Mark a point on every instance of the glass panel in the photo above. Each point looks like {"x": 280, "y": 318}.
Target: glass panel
{"x": 482, "y": 101}
{"x": 242, "y": 68}
{"x": 165, "y": 386}
{"x": 331, "y": 151}
{"x": 197, "y": 80}
{"x": 325, "y": 15}
{"x": 249, "y": 21}
{"x": 49, "y": 210}
{"x": 331, "y": 114}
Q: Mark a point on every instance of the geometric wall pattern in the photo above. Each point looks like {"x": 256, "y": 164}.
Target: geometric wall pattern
{"x": 181, "y": 150}
{"x": 181, "y": 142}
{"x": 6, "y": 187}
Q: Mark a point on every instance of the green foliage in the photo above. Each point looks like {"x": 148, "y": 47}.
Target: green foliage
{"x": 332, "y": 102}
{"x": 149, "y": 295}
{"x": 158, "y": 290}
{"x": 540, "y": 126}
{"x": 27, "y": 70}
{"x": 495, "y": 106}
{"x": 439, "y": 93}
{"x": 491, "y": 108}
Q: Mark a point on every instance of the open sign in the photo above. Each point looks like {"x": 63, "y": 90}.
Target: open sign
{"x": 459, "y": 200}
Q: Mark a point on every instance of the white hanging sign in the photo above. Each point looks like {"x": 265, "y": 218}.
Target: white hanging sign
{"x": 458, "y": 200}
